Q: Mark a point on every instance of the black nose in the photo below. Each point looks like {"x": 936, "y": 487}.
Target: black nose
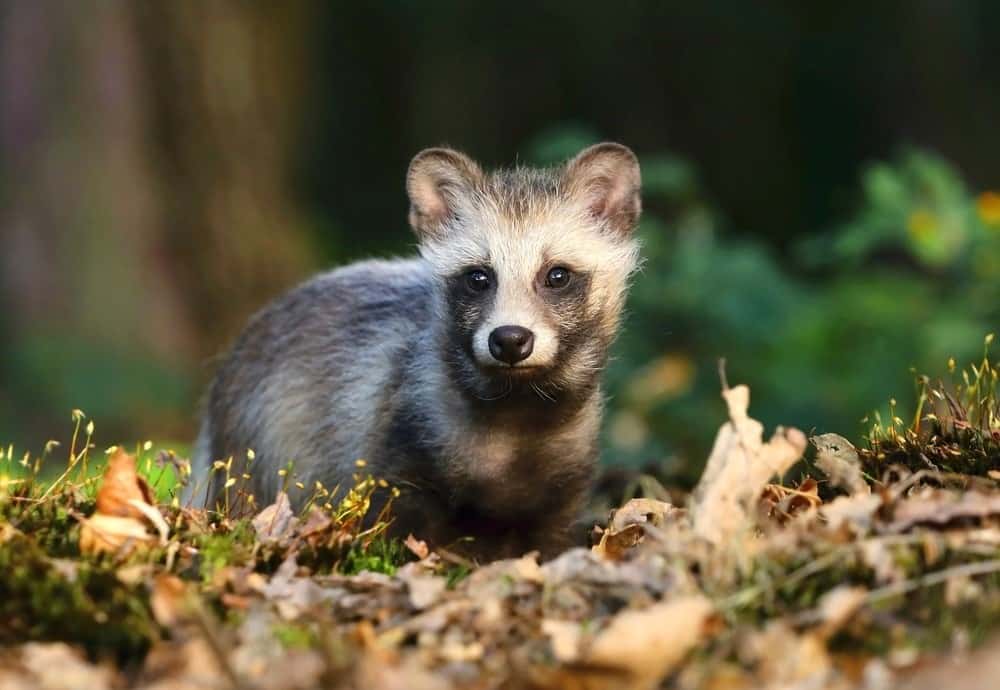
{"x": 511, "y": 344}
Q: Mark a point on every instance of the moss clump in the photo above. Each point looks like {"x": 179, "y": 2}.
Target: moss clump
{"x": 381, "y": 555}
{"x": 81, "y": 602}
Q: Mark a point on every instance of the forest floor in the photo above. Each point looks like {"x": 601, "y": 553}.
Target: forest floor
{"x": 876, "y": 567}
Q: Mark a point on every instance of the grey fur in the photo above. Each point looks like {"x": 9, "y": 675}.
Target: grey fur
{"x": 378, "y": 360}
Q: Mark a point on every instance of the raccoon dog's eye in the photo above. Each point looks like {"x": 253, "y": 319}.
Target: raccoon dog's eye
{"x": 558, "y": 277}
{"x": 477, "y": 280}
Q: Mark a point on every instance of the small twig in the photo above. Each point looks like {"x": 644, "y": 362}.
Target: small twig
{"x": 207, "y": 627}
{"x": 931, "y": 579}
{"x": 722, "y": 374}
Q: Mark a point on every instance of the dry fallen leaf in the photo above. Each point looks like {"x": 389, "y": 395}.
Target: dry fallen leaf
{"x": 648, "y": 643}
{"x": 784, "y": 502}
{"x": 125, "y": 510}
{"x": 614, "y": 545}
{"x": 167, "y": 599}
{"x": 939, "y": 507}
{"x": 565, "y": 637}
{"x": 838, "y": 459}
{"x": 739, "y": 467}
{"x": 417, "y": 547}
{"x": 424, "y": 587}
{"x": 275, "y": 522}
{"x": 109, "y": 534}
{"x": 645, "y": 511}
{"x": 55, "y": 666}
{"x": 121, "y": 486}
{"x": 838, "y": 606}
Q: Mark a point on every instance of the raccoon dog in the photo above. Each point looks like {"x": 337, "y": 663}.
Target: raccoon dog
{"x": 469, "y": 377}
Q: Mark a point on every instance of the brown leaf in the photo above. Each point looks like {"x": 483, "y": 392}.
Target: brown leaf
{"x": 276, "y": 522}
{"x": 120, "y": 486}
{"x": 424, "y": 587}
{"x": 565, "y": 637}
{"x": 939, "y": 507}
{"x": 417, "y": 547}
{"x": 614, "y": 545}
{"x": 645, "y": 511}
{"x": 838, "y": 459}
{"x": 648, "y": 643}
{"x": 168, "y": 599}
{"x": 55, "y": 666}
{"x": 784, "y": 502}
{"x": 739, "y": 467}
{"x": 112, "y": 534}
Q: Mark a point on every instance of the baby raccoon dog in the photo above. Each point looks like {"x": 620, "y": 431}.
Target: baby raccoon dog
{"x": 469, "y": 378}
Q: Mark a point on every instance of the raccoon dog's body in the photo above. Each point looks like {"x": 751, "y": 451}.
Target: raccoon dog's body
{"x": 469, "y": 378}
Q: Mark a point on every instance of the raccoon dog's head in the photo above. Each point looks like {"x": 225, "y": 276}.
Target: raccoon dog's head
{"x": 533, "y": 265}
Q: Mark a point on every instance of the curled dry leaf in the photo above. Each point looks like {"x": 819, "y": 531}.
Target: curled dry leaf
{"x": 784, "y": 502}
{"x": 110, "y": 534}
{"x": 417, "y": 547}
{"x": 647, "y": 644}
{"x": 276, "y": 522}
{"x": 424, "y": 587}
{"x": 167, "y": 599}
{"x": 54, "y": 666}
{"x": 565, "y": 637}
{"x": 739, "y": 467}
{"x": 645, "y": 511}
{"x": 122, "y": 488}
{"x": 940, "y": 507}
{"x": 838, "y": 606}
{"x": 838, "y": 459}
{"x": 615, "y": 544}
{"x": 125, "y": 510}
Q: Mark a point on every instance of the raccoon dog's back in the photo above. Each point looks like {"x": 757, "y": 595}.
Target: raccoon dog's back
{"x": 310, "y": 377}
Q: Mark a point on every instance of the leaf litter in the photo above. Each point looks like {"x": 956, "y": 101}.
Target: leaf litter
{"x": 853, "y": 574}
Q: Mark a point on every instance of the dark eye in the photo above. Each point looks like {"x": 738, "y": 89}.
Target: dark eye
{"x": 477, "y": 280}
{"x": 558, "y": 277}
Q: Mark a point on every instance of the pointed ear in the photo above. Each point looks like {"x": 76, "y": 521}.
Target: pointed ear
{"x": 606, "y": 179}
{"x": 437, "y": 182}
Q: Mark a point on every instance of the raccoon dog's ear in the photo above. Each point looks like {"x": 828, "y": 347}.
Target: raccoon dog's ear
{"x": 437, "y": 182}
{"x": 606, "y": 178}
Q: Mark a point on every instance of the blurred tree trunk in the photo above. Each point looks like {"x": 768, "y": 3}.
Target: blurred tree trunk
{"x": 228, "y": 78}
{"x": 147, "y": 155}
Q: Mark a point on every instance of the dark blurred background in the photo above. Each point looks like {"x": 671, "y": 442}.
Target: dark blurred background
{"x": 819, "y": 187}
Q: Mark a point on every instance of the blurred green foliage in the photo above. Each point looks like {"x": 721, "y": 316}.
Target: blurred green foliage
{"x": 822, "y": 334}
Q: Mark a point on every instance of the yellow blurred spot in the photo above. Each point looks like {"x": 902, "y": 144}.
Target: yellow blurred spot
{"x": 282, "y": 472}
{"x": 147, "y": 445}
{"x": 300, "y": 485}
{"x": 664, "y": 378}
{"x": 250, "y": 454}
{"x": 360, "y": 463}
{"x": 230, "y": 482}
{"x": 628, "y": 430}
{"x": 921, "y": 224}
{"x": 90, "y": 428}
{"x": 109, "y": 450}
{"x": 988, "y": 206}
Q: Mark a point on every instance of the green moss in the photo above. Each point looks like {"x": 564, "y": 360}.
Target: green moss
{"x": 381, "y": 555}
{"x": 292, "y": 636}
{"x": 83, "y": 602}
